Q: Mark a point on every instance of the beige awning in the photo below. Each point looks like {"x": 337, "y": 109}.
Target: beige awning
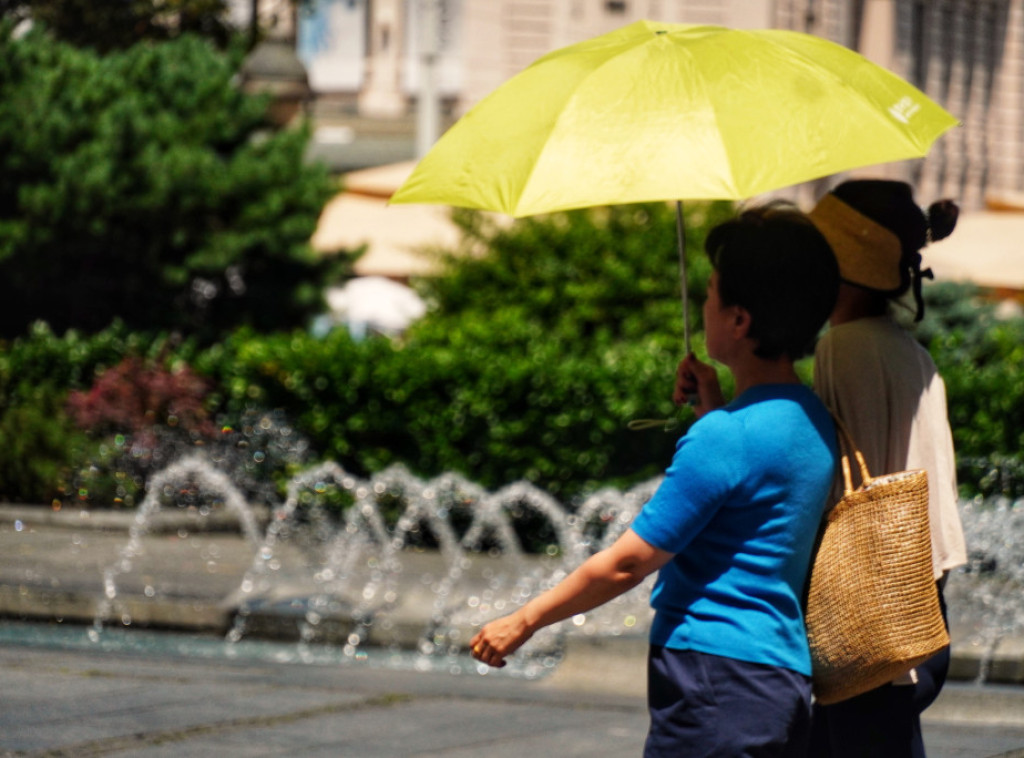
{"x": 379, "y": 181}
{"x": 398, "y": 237}
{"x": 986, "y": 248}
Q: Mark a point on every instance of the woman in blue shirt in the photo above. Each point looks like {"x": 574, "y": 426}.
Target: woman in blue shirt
{"x": 731, "y": 528}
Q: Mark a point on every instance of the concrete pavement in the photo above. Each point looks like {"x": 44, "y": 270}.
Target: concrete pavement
{"x": 180, "y": 694}
{"x": 153, "y": 703}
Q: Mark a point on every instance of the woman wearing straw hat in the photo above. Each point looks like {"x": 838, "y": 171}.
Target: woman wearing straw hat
{"x": 731, "y": 528}
{"x": 884, "y": 385}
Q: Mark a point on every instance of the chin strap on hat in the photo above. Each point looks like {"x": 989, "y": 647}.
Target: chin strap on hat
{"x": 916, "y": 275}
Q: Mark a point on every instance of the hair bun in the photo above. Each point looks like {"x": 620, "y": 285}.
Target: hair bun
{"x": 942, "y": 216}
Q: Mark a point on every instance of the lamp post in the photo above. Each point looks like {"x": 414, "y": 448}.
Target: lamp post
{"x": 427, "y": 106}
{"x": 272, "y": 67}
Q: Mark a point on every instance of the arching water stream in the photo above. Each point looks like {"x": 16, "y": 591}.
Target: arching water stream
{"x": 397, "y": 563}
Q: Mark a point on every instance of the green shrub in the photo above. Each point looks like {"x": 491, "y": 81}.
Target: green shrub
{"x": 109, "y": 25}
{"x": 495, "y": 415}
{"x": 493, "y": 385}
{"x": 533, "y": 360}
{"x": 598, "y": 274}
{"x": 47, "y": 456}
{"x": 105, "y": 459}
{"x": 144, "y": 186}
{"x": 979, "y": 354}
{"x": 40, "y": 446}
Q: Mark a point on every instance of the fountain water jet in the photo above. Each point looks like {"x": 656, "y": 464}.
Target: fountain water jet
{"x": 986, "y": 597}
{"x": 190, "y": 472}
{"x": 399, "y": 564}
{"x": 451, "y": 560}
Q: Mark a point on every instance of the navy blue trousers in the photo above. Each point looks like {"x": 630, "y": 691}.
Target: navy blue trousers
{"x": 710, "y": 706}
{"x": 882, "y": 723}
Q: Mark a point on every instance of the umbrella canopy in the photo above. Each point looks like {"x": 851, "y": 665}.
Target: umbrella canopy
{"x": 657, "y": 111}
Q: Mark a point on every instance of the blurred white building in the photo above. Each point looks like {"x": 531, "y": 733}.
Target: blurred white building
{"x": 378, "y": 60}
{"x": 379, "y": 48}
{"x": 389, "y": 75}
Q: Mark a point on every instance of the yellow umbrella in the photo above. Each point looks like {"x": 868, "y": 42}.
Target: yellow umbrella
{"x": 657, "y": 111}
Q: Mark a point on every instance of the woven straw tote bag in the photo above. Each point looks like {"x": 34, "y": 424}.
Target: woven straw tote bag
{"x": 872, "y": 606}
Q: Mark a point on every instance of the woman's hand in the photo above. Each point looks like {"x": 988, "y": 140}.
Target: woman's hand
{"x": 603, "y": 576}
{"x": 500, "y": 638}
{"x": 697, "y": 380}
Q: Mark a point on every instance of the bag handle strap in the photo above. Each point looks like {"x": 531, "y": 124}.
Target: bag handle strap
{"x": 846, "y": 447}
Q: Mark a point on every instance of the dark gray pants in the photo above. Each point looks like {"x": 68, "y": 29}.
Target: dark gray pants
{"x": 715, "y": 707}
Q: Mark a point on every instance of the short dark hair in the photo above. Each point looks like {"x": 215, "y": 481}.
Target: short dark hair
{"x": 774, "y": 263}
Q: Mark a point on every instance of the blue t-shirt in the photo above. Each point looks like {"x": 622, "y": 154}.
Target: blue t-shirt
{"x": 740, "y": 507}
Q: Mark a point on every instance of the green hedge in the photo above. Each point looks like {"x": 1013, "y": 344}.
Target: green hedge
{"x": 43, "y": 449}
{"x": 145, "y": 186}
{"x": 497, "y": 416}
{"x": 497, "y": 395}
{"x": 979, "y": 354}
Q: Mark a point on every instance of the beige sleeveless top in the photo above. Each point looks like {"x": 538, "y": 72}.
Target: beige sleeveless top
{"x": 885, "y": 387}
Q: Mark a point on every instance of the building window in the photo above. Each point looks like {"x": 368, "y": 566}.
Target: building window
{"x": 615, "y": 6}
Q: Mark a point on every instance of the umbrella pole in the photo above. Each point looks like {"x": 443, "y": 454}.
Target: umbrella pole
{"x": 681, "y": 244}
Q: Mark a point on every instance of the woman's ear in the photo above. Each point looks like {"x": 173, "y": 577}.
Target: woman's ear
{"x": 741, "y": 322}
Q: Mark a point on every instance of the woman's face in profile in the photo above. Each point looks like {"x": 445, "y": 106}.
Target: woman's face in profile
{"x": 715, "y": 320}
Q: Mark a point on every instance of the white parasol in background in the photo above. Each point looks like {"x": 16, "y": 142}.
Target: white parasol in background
{"x": 375, "y": 304}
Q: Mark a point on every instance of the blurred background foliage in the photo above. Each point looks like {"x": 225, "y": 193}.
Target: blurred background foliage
{"x": 158, "y": 289}
{"x": 143, "y": 185}
{"x": 491, "y": 387}
{"x": 510, "y": 376}
{"x": 118, "y": 24}
{"x": 978, "y": 347}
